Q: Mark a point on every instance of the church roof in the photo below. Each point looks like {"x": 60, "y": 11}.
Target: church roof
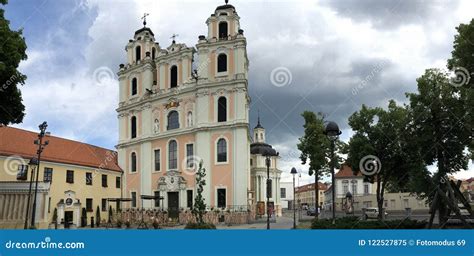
{"x": 258, "y": 123}
{"x": 18, "y": 142}
{"x": 262, "y": 149}
{"x": 144, "y": 29}
{"x": 226, "y": 6}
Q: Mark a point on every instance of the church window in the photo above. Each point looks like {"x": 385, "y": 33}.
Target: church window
{"x": 172, "y": 155}
{"x": 222, "y": 63}
{"x": 223, "y": 30}
{"x": 221, "y": 198}
{"x": 153, "y": 53}
{"x": 133, "y": 125}
{"x": 173, "y": 120}
{"x": 138, "y": 53}
{"x": 221, "y": 150}
{"x": 133, "y": 160}
{"x": 157, "y": 160}
{"x": 134, "y": 86}
{"x": 222, "y": 109}
{"x": 174, "y": 77}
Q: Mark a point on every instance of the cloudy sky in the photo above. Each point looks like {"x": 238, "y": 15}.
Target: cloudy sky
{"x": 304, "y": 55}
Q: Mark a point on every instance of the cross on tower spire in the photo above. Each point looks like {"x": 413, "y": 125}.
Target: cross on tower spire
{"x": 174, "y": 38}
{"x": 144, "y": 19}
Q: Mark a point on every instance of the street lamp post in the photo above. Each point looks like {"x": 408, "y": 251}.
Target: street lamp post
{"x": 33, "y": 162}
{"x": 267, "y": 162}
{"x": 332, "y": 132}
{"x": 293, "y": 172}
{"x": 41, "y": 146}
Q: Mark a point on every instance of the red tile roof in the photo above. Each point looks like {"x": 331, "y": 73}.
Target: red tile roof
{"x": 346, "y": 172}
{"x": 310, "y": 187}
{"x": 14, "y": 141}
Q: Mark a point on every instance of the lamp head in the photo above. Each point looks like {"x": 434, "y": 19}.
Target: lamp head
{"x": 332, "y": 130}
{"x": 293, "y": 171}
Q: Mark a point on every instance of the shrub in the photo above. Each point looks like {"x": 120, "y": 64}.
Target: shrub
{"x": 200, "y": 226}
{"x": 355, "y": 223}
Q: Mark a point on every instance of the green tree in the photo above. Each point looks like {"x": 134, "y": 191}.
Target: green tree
{"x": 315, "y": 149}
{"x": 439, "y": 124}
{"x": 381, "y": 148}
{"x": 199, "y": 208}
{"x": 12, "y": 51}
{"x": 97, "y": 216}
{"x": 462, "y": 63}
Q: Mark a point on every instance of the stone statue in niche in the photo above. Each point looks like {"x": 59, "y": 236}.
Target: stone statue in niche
{"x": 156, "y": 126}
{"x": 190, "y": 119}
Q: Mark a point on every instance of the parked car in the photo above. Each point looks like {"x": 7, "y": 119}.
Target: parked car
{"x": 373, "y": 213}
{"x": 311, "y": 211}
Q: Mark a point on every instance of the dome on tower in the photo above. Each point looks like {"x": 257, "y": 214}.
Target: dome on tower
{"x": 263, "y": 149}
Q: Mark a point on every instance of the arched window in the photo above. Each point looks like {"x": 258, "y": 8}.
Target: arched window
{"x": 138, "y": 53}
{"x": 173, "y": 120}
{"x": 133, "y": 162}
{"x": 223, "y": 30}
{"x": 153, "y": 53}
{"x": 221, "y": 150}
{"x": 134, "y": 86}
{"x": 190, "y": 119}
{"x": 222, "y": 63}
{"x": 222, "y": 109}
{"x": 173, "y": 77}
{"x": 133, "y": 124}
{"x": 172, "y": 155}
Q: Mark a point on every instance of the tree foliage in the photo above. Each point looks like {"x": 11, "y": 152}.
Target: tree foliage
{"x": 12, "y": 51}
{"x": 440, "y": 126}
{"x": 381, "y": 148}
{"x": 315, "y": 149}
{"x": 199, "y": 208}
{"x": 463, "y": 56}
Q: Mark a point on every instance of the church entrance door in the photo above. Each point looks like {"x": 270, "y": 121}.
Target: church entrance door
{"x": 173, "y": 205}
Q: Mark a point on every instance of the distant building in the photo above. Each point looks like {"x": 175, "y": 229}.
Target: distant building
{"x": 305, "y": 195}
{"x": 72, "y": 176}
{"x": 286, "y": 194}
{"x": 364, "y": 194}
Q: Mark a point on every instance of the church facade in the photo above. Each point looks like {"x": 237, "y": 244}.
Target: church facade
{"x": 182, "y": 105}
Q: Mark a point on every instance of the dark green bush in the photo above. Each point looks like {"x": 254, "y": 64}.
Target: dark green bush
{"x": 356, "y": 223}
{"x": 200, "y": 226}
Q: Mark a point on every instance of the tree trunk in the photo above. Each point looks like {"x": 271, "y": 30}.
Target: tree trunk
{"x": 441, "y": 183}
{"x": 316, "y": 191}
{"x": 379, "y": 201}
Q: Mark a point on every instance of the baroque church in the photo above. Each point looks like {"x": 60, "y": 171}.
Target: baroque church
{"x": 180, "y": 105}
